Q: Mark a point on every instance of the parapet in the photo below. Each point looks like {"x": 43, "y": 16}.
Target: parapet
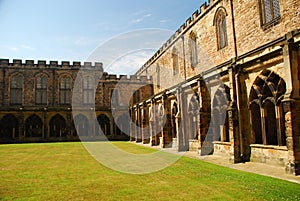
{"x": 51, "y": 64}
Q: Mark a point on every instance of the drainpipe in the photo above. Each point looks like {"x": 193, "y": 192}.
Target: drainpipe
{"x": 237, "y": 83}
{"x": 233, "y": 30}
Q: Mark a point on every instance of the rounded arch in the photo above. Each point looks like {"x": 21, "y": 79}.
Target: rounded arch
{"x": 9, "y": 127}
{"x": 82, "y": 125}
{"x": 34, "y": 126}
{"x": 57, "y": 126}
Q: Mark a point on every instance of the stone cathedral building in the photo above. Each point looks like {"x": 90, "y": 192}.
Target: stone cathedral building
{"x": 225, "y": 83}
{"x": 232, "y": 86}
{"x": 36, "y": 101}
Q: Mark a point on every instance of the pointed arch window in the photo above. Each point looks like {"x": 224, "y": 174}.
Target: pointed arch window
{"x": 175, "y": 61}
{"x": 65, "y": 90}
{"x": 88, "y": 90}
{"x": 221, "y": 28}
{"x": 16, "y": 89}
{"x": 41, "y": 90}
{"x": 266, "y": 109}
{"x": 193, "y": 49}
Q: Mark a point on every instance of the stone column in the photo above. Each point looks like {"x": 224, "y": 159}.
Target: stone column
{"x": 181, "y": 134}
{"x": 132, "y": 124}
{"x": 142, "y": 113}
{"x": 21, "y": 124}
{"x": 233, "y": 120}
{"x": 199, "y": 112}
{"x": 291, "y": 103}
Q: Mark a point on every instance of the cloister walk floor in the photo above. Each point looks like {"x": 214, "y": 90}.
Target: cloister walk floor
{"x": 253, "y": 167}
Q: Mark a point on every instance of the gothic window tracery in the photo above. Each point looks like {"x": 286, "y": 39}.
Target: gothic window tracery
{"x": 266, "y": 109}
{"x": 221, "y": 28}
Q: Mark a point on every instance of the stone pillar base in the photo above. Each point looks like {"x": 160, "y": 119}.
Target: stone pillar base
{"x": 292, "y": 168}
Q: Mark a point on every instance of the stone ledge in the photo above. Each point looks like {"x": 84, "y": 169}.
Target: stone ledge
{"x": 283, "y": 148}
{"x": 221, "y": 143}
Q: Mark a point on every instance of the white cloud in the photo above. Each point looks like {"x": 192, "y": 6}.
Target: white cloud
{"x": 15, "y": 49}
{"x": 140, "y": 19}
{"x": 19, "y": 48}
{"x": 163, "y": 21}
{"x": 27, "y": 47}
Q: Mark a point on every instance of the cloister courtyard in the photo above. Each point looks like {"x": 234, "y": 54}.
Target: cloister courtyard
{"x": 66, "y": 171}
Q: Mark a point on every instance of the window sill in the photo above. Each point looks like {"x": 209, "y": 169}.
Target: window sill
{"x": 270, "y": 24}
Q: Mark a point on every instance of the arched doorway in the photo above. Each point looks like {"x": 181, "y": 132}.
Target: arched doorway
{"x": 9, "y": 127}
{"x": 57, "y": 126}
{"x": 81, "y": 124}
{"x": 104, "y": 124}
{"x": 123, "y": 127}
{"x": 33, "y": 126}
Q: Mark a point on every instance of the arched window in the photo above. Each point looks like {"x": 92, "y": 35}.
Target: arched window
{"x": 65, "y": 90}
{"x": 41, "y": 90}
{"x": 221, "y": 28}
{"x": 33, "y": 126}
{"x": 174, "y": 123}
{"x": 193, "y": 49}
{"x": 16, "y": 88}
{"x": 270, "y": 12}
{"x": 266, "y": 112}
{"x": 175, "y": 61}
{"x": 193, "y": 113}
{"x": 220, "y": 121}
{"x": 88, "y": 90}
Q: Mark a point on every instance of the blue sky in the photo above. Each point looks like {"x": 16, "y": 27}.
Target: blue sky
{"x": 66, "y": 30}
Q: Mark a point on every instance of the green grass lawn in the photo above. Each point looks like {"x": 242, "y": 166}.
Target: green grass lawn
{"x": 65, "y": 171}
